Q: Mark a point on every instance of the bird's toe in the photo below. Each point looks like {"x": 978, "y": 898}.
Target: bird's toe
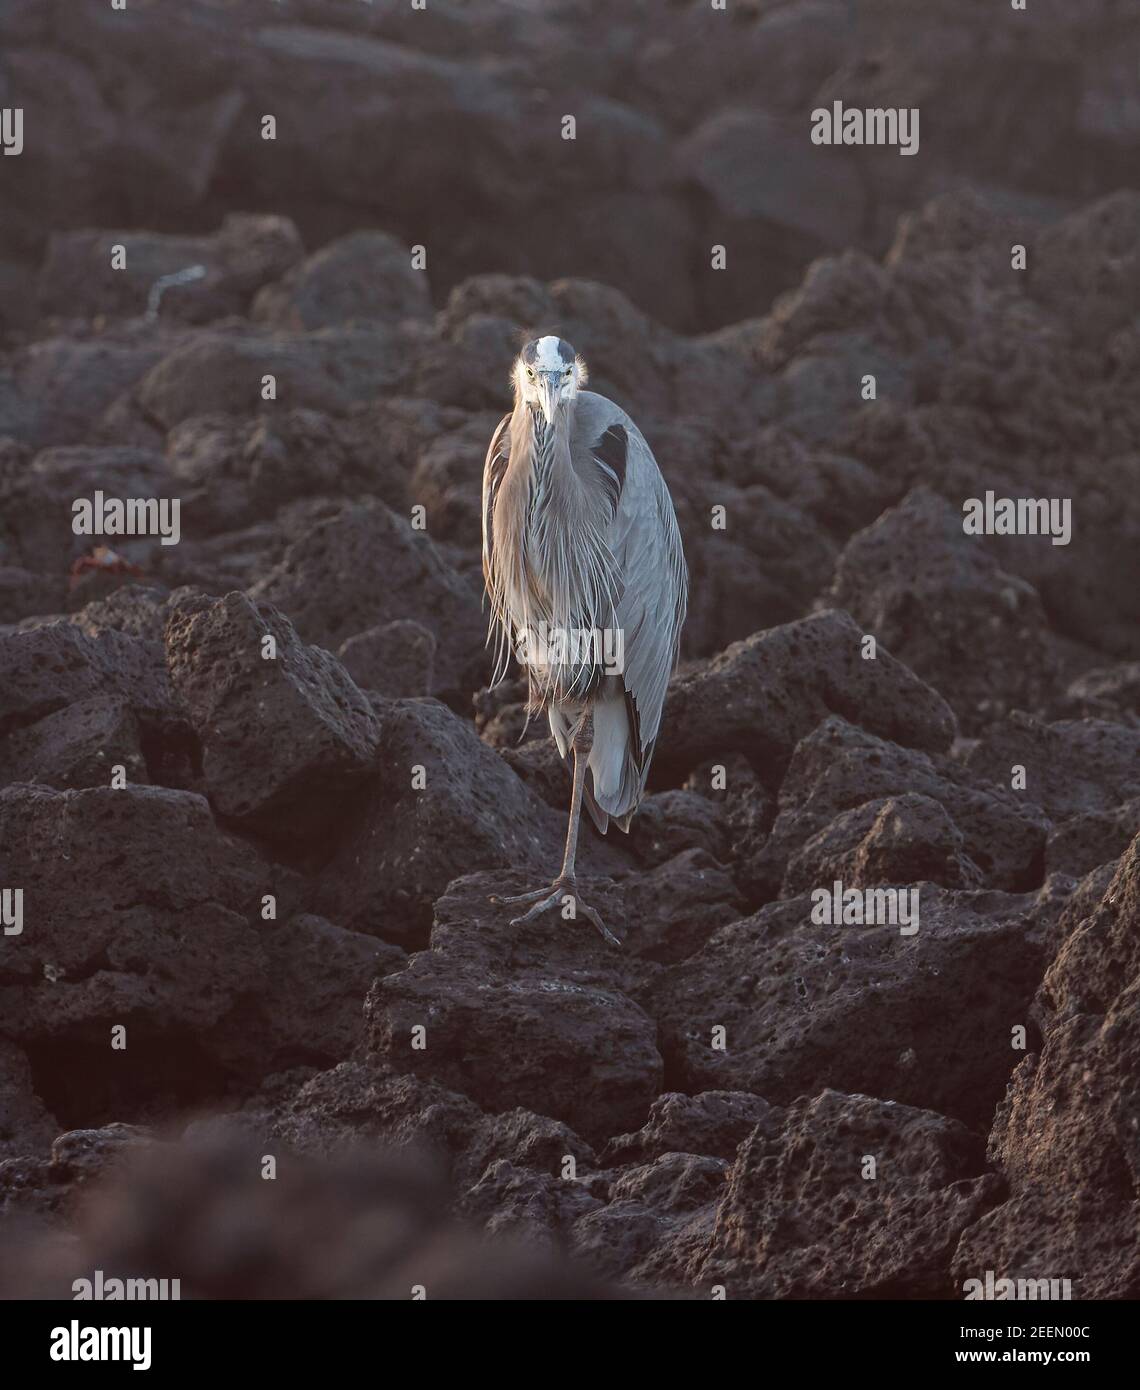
{"x": 534, "y": 896}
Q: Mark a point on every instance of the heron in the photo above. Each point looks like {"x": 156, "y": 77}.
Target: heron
{"x": 587, "y": 586}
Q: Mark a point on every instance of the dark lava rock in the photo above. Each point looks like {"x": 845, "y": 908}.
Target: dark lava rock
{"x": 138, "y": 610}
{"x": 357, "y": 1101}
{"x": 395, "y": 659}
{"x": 537, "y": 1206}
{"x": 58, "y": 388}
{"x": 1072, "y": 767}
{"x": 653, "y": 1208}
{"x": 761, "y": 696}
{"x": 1107, "y": 692}
{"x": 379, "y": 1221}
{"x": 23, "y": 593}
{"x": 940, "y": 603}
{"x": 805, "y": 1216}
{"x": 48, "y": 668}
{"x": 1080, "y": 844}
{"x": 78, "y": 278}
{"x": 236, "y": 471}
{"x": 408, "y": 841}
{"x": 77, "y": 746}
{"x": 1065, "y": 1136}
{"x": 837, "y": 767}
{"x": 25, "y": 1126}
{"x": 309, "y": 1010}
{"x": 904, "y": 839}
{"x": 764, "y": 567}
{"x": 222, "y": 370}
{"x": 363, "y": 566}
{"x": 542, "y": 768}
{"x": 284, "y": 737}
{"x": 672, "y": 821}
{"x": 933, "y": 1010}
{"x": 361, "y": 277}
{"x": 674, "y": 908}
{"x": 159, "y": 939}
{"x": 49, "y": 1189}
{"x": 711, "y": 1122}
{"x": 582, "y": 1051}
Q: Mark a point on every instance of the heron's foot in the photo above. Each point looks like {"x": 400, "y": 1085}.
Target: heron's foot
{"x": 557, "y": 895}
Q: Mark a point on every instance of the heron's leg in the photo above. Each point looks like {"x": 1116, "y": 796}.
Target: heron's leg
{"x": 565, "y": 885}
{"x": 581, "y": 755}
{"x": 583, "y": 735}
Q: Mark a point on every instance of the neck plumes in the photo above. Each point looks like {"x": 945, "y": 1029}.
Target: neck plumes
{"x": 556, "y": 578}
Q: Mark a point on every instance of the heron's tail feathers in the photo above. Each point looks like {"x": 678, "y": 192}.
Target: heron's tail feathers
{"x": 617, "y": 783}
{"x": 600, "y": 818}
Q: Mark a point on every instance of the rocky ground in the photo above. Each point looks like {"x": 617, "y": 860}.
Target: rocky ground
{"x": 442, "y": 126}
{"x": 233, "y": 859}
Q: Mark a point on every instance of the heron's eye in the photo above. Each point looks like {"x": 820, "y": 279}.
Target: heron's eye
{"x": 530, "y": 373}
{"x": 567, "y": 371}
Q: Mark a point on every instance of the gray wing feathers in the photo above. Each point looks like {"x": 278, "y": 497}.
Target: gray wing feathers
{"x": 646, "y": 545}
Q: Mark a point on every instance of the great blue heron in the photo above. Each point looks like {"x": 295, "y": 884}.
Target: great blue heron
{"x": 587, "y": 584}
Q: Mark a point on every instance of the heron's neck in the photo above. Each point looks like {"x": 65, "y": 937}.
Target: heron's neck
{"x": 542, "y": 448}
{"x": 559, "y": 567}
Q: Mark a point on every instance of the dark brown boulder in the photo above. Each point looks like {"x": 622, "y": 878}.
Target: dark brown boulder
{"x": 806, "y": 1216}
{"x": 284, "y": 731}
{"x": 1064, "y": 1138}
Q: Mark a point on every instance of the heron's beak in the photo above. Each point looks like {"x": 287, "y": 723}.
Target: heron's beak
{"x": 549, "y": 386}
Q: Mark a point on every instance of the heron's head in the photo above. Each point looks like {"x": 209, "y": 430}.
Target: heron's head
{"x": 548, "y": 375}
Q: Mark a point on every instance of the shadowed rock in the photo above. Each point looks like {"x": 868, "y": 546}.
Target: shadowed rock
{"x": 983, "y": 639}
{"x": 837, "y": 767}
{"x": 582, "y": 1051}
{"x": 791, "y": 993}
{"x": 358, "y": 278}
{"x": 803, "y": 1217}
{"x": 906, "y": 839}
{"x": 25, "y": 1125}
{"x": 168, "y": 1209}
{"x": 364, "y": 566}
{"x": 79, "y": 277}
{"x": 48, "y": 668}
{"x": 395, "y": 659}
{"x": 285, "y": 733}
{"x": 416, "y": 832}
{"x": 1064, "y": 1137}
{"x": 78, "y": 746}
{"x": 164, "y": 939}
{"x": 761, "y": 696}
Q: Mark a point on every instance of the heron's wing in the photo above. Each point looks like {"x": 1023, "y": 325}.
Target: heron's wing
{"x": 645, "y": 541}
